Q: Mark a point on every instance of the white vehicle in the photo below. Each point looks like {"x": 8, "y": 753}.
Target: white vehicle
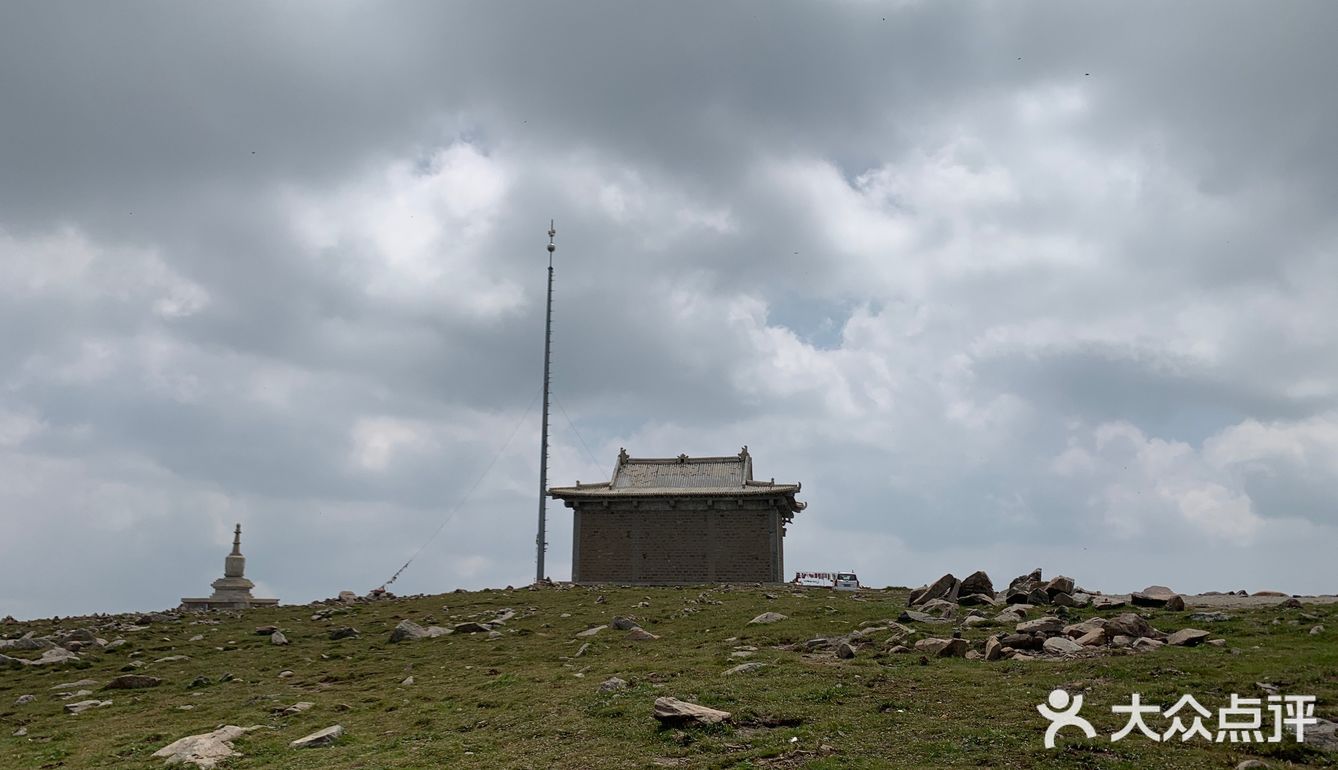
{"x": 841, "y": 581}
{"x": 847, "y": 581}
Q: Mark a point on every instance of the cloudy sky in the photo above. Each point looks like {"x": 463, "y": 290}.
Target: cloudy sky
{"x": 1002, "y": 285}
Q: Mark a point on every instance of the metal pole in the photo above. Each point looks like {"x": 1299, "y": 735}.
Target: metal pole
{"x": 540, "y": 543}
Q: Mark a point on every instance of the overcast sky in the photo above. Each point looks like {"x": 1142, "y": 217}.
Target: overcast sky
{"x": 1003, "y": 285}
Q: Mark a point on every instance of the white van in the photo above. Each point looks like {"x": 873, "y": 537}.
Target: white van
{"x": 847, "y": 581}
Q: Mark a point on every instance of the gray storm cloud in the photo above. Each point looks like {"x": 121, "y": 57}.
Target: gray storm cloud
{"x": 1003, "y": 286}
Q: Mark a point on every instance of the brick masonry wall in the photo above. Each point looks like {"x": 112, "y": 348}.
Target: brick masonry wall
{"x": 686, "y": 543}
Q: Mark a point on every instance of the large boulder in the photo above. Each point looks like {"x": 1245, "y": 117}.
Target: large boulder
{"x": 1025, "y": 583}
{"x": 1129, "y": 624}
{"x": 1022, "y": 641}
{"x": 940, "y": 608}
{"x": 993, "y": 648}
{"x": 976, "y": 583}
{"x": 673, "y": 711}
{"x": 1060, "y": 645}
{"x": 1140, "y": 599}
{"x": 945, "y": 588}
{"x": 1045, "y": 625}
{"x": 407, "y": 630}
{"x": 1187, "y": 637}
{"x": 205, "y": 750}
{"x": 943, "y": 648}
{"x": 1060, "y": 584}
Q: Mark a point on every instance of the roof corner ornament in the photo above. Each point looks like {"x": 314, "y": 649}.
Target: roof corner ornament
{"x": 622, "y": 456}
{"x": 682, "y": 458}
{"x": 743, "y": 453}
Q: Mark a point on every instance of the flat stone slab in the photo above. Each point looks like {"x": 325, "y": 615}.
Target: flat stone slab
{"x": 85, "y": 705}
{"x": 677, "y": 712}
{"x": 319, "y": 738}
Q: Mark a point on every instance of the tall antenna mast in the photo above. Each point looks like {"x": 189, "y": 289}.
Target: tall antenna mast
{"x": 540, "y": 542}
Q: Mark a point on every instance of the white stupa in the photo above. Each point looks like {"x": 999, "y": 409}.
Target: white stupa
{"x": 233, "y": 590}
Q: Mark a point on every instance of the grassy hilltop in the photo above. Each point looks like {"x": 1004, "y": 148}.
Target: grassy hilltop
{"x": 523, "y": 700}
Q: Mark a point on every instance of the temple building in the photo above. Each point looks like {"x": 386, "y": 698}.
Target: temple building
{"x": 679, "y": 520}
{"x": 233, "y": 590}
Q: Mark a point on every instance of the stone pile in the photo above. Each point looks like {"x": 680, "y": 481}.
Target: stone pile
{"x": 977, "y": 590}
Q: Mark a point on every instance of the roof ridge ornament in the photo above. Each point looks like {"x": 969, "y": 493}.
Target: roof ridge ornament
{"x": 682, "y": 458}
{"x": 622, "y": 456}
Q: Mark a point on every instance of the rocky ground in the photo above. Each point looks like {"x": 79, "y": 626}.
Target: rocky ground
{"x": 948, "y": 675}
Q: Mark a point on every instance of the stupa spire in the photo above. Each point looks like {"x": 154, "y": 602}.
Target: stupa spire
{"x": 237, "y": 541}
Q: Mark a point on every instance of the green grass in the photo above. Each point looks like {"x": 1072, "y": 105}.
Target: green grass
{"x": 523, "y": 701}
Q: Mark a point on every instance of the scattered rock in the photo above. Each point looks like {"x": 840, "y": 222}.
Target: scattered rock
{"x": 132, "y": 682}
{"x": 639, "y": 634}
{"x": 1252, "y": 764}
{"x": 1292, "y": 603}
{"x": 278, "y": 639}
{"x": 407, "y": 629}
{"x": 24, "y": 700}
{"x": 621, "y": 623}
{"x": 266, "y": 630}
{"x": 591, "y": 631}
{"x": 1044, "y": 625}
{"x": 406, "y": 681}
{"x": 672, "y": 711}
{"x": 1187, "y": 637}
{"x": 205, "y": 750}
{"x": 85, "y": 705}
{"x": 1209, "y": 617}
{"x": 1107, "y": 603}
{"x": 993, "y": 648}
{"x": 19, "y": 733}
{"x": 913, "y": 616}
{"x": 768, "y": 617}
{"x": 471, "y": 628}
{"x": 1322, "y": 736}
{"x": 1176, "y": 603}
{"x": 68, "y": 686}
{"x": 945, "y": 588}
{"x": 744, "y": 668}
{"x": 319, "y": 738}
{"x": 1316, "y": 630}
{"x": 1128, "y": 624}
{"x": 1061, "y": 645}
{"x": 612, "y": 683}
{"x": 943, "y": 648}
{"x": 845, "y": 650}
{"x": 344, "y": 632}
{"x": 1094, "y": 638}
{"x": 296, "y": 708}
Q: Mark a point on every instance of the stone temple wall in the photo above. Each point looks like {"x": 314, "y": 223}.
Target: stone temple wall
{"x": 684, "y": 542}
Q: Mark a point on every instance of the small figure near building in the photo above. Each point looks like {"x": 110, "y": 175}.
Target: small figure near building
{"x": 233, "y": 590}
{"x": 680, "y": 520}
